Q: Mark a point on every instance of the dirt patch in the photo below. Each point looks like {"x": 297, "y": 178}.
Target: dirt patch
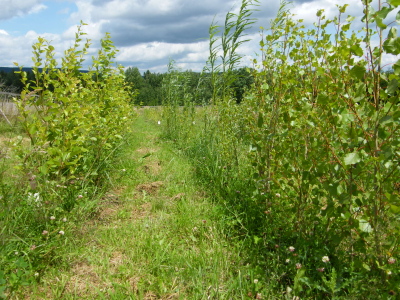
{"x": 117, "y": 259}
{"x": 150, "y": 296}
{"x": 147, "y": 150}
{"x": 133, "y": 282}
{"x": 171, "y": 297}
{"x": 141, "y": 212}
{"x": 85, "y": 281}
{"x": 178, "y": 196}
{"x": 110, "y": 203}
{"x": 112, "y": 197}
{"x": 149, "y": 188}
{"x": 107, "y": 213}
{"x": 152, "y": 168}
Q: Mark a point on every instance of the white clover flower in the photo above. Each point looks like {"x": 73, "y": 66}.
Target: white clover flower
{"x": 159, "y": 122}
{"x": 61, "y": 232}
{"x": 325, "y": 259}
{"x": 255, "y": 281}
{"x": 287, "y": 260}
{"x": 277, "y": 195}
{"x": 80, "y": 196}
{"x": 298, "y": 266}
{"x": 64, "y": 219}
{"x": 34, "y": 199}
{"x": 389, "y": 272}
{"x": 36, "y": 274}
{"x": 291, "y": 249}
{"x": 391, "y": 260}
{"x": 52, "y": 218}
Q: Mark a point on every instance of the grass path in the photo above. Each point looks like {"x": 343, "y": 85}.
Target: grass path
{"x": 154, "y": 235}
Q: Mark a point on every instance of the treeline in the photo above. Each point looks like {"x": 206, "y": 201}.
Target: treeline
{"x": 11, "y": 81}
{"x": 150, "y": 92}
{"x": 147, "y": 88}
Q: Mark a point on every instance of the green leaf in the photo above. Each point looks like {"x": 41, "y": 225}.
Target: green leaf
{"x": 364, "y": 226}
{"x": 366, "y": 267}
{"x": 297, "y": 280}
{"x": 396, "y": 68}
{"x": 346, "y": 27}
{"x": 260, "y": 120}
{"x": 146, "y": 155}
{"x": 380, "y": 23}
{"x": 392, "y": 86}
{"x": 358, "y": 72}
{"x": 352, "y": 158}
{"x": 395, "y": 209}
{"x": 357, "y": 50}
{"x": 385, "y": 10}
{"x": 395, "y": 3}
{"x": 392, "y": 45}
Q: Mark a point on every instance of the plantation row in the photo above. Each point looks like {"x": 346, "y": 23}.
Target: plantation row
{"x": 307, "y": 165}
{"x": 72, "y": 124}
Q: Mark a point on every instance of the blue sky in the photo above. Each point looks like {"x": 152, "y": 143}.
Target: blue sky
{"x": 52, "y": 17}
{"x": 147, "y": 32}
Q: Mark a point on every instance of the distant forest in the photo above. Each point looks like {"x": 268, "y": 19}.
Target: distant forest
{"x": 148, "y": 87}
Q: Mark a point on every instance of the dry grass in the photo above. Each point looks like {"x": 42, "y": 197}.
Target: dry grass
{"x": 150, "y": 188}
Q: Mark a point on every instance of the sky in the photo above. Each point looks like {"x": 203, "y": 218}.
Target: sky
{"x": 147, "y": 33}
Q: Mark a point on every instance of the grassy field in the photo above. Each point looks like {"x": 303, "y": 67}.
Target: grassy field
{"x": 155, "y": 235}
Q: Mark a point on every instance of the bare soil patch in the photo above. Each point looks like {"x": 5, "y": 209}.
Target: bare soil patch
{"x": 147, "y": 150}
{"x": 150, "y": 188}
{"x": 141, "y": 212}
{"x": 85, "y": 281}
{"x": 152, "y": 168}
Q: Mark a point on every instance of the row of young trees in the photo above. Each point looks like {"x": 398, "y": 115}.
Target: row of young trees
{"x": 307, "y": 166}
{"x": 74, "y": 125}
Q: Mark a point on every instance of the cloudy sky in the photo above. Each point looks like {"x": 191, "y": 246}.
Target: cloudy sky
{"x": 147, "y": 32}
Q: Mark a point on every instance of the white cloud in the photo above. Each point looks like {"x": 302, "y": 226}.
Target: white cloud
{"x": 308, "y": 10}
{"x": 156, "y": 50}
{"x": 13, "y": 8}
{"x": 150, "y": 32}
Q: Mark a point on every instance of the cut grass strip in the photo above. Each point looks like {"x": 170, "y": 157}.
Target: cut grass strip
{"x": 156, "y": 235}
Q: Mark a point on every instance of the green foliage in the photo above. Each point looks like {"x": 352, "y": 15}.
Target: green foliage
{"x": 178, "y": 104}
{"x": 77, "y": 117}
{"x": 12, "y": 80}
{"x": 309, "y": 159}
{"x": 221, "y": 67}
{"x": 75, "y": 123}
{"x": 147, "y": 88}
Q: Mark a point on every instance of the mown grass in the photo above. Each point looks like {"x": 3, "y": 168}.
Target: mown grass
{"x": 157, "y": 234}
